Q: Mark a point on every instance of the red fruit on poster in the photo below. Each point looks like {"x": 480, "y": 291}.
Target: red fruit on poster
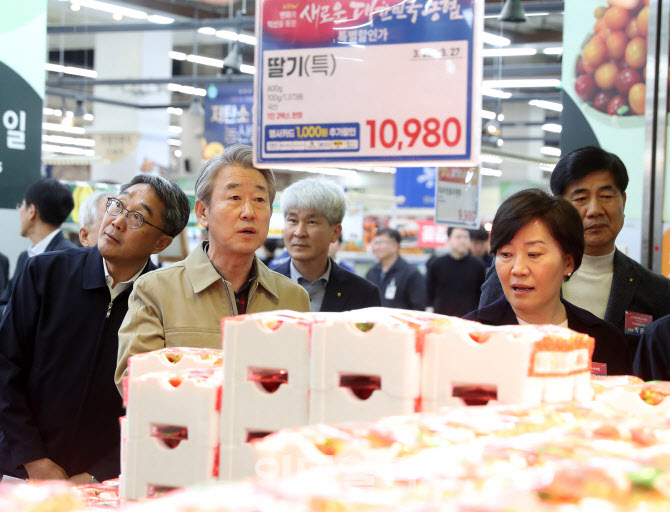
{"x": 602, "y": 100}
{"x": 615, "y": 106}
{"x": 585, "y": 87}
{"x": 625, "y": 79}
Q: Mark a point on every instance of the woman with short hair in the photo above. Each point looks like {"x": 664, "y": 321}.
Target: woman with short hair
{"x": 538, "y": 242}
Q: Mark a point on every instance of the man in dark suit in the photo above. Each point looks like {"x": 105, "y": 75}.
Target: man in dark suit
{"x": 59, "y": 406}
{"x": 609, "y": 284}
{"x": 45, "y": 206}
{"x": 313, "y": 210}
{"x": 4, "y": 271}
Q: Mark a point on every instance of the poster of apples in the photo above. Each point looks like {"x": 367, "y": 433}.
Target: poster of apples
{"x": 604, "y": 91}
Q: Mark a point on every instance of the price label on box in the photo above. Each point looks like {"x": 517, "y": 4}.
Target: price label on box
{"x": 370, "y": 82}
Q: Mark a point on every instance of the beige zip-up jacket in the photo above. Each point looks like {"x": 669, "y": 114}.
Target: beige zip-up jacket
{"x": 182, "y": 306}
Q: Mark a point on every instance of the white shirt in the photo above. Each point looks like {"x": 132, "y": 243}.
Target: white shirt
{"x": 564, "y": 323}
{"x": 41, "y": 246}
{"x": 120, "y": 287}
{"x": 589, "y": 287}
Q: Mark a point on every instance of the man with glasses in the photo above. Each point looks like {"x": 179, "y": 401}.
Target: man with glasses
{"x": 45, "y": 206}
{"x": 59, "y": 408}
{"x": 182, "y": 305}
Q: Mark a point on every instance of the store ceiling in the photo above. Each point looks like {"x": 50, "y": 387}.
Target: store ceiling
{"x": 71, "y": 38}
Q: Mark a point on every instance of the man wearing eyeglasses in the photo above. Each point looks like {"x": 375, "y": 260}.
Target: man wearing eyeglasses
{"x": 182, "y": 305}
{"x": 59, "y": 407}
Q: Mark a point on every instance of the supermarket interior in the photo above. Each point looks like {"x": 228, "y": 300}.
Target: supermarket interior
{"x": 390, "y": 375}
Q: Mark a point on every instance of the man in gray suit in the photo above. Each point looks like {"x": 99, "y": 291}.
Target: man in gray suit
{"x": 609, "y": 284}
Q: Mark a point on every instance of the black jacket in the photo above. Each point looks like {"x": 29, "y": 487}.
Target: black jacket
{"x": 345, "y": 291}
{"x": 610, "y": 344}
{"x": 634, "y": 288}
{"x": 58, "y": 350}
{"x": 57, "y": 243}
{"x": 410, "y": 285}
{"x": 652, "y": 361}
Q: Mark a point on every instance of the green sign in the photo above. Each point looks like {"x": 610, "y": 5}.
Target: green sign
{"x": 22, "y": 50}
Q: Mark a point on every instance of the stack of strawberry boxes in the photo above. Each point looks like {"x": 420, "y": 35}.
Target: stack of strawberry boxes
{"x": 285, "y": 369}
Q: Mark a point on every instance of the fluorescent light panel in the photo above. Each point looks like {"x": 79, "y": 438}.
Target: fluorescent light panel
{"x": 490, "y": 159}
{"x": 187, "y": 89}
{"x": 495, "y": 93}
{"x": 508, "y": 52}
{"x": 552, "y": 127}
{"x": 487, "y": 114}
{"x": 71, "y": 70}
{"x": 550, "y": 151}
{"x": 175, "y": 111}
{"x": 520, "y": 83}
{"x": 549, "y": 105}
{"x": 485, "y": 171}
{"x": 118, "y": 11}
{"x": 494, "y": 40}
{"x": 56, "y": 127}
{"x": 52, "y": 148}
{"x": 553, "y": 50}
{"x": 72, "y": 141}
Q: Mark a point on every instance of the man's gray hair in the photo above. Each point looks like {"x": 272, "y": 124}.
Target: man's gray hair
{"x": 239, "y": 155}
{"x": 319, "y": 194}
{"x": 88, "y": 209}
{"x": 177, "y": 207}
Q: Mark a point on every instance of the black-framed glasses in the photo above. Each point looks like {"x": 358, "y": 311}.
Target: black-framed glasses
{"x": 134, "y": 220}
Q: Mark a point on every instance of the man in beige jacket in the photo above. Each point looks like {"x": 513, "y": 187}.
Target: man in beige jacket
{"x": 182, "y": 305}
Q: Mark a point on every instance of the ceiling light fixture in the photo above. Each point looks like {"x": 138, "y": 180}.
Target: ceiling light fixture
{"x": 71, "y": 70}
{"x": 187, "y": 89}
{"x": 487, "y": 114}
{"x": 112, "y": 9}
{"x": 552, "y": 127}
{"x": 208, "y": 31}
{"x": 80, "y": 109}
{"x": 176, "y": 111}
{"x": 485, "y": 171}
{"x": 248, "y": 69}
{"x": 495, "y": 93}
{"x": 234, "y": 58}
{"x": 60, "y": 128}
{"x": 550, "y": 151}
{"x": 160, "y": 20}
{"x": 51, "y": 148}
{"x": 529, "y": 82}
{"x": 553, "y": 50}
{"x": 494, "y": 40}
{"x": 508, "y": 52}
{"x": 549, "y": 105}
{"x": 512, "y": 11}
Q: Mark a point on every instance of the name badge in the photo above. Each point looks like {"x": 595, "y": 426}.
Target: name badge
{"x": 389, "y": 294}
{"x": 599, "y": 369}
{"x": 636, "y": 322}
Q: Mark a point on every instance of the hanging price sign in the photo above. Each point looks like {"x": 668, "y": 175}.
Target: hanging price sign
{"x": 388, "y": 82}
{"x": 457, "y": 196}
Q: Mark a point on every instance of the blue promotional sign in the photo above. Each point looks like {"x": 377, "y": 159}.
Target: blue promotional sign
{"x": 369, "y": 82}
{"x": 417, "y": 185}
{"x": 228, "y": 110}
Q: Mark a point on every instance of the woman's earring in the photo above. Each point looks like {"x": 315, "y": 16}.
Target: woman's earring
{"x": 568, "y": 274}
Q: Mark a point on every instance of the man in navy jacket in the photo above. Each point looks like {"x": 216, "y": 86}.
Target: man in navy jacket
{"x": 313, "y": 210}
{"x": 59, "y": 407}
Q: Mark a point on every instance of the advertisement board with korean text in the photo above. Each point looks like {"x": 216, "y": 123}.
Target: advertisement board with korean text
{"x": 228, "y": 110}
{"x": 22, "y": 86}
{"x": 384, "y": 82}
{"x": 457, "y": 197}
